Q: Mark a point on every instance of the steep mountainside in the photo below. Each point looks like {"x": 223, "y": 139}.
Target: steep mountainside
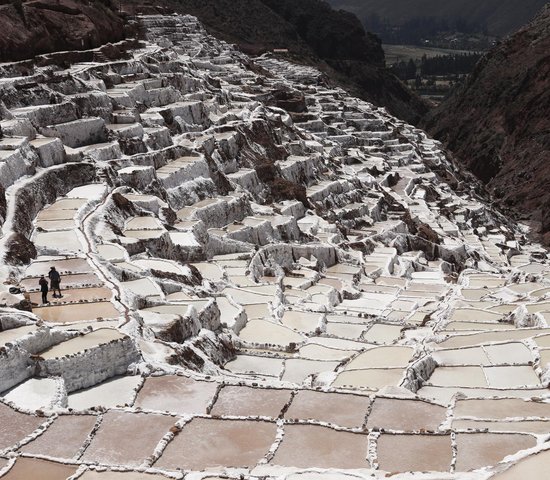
{"x": 498, "y": 123}
{"x": 335, "y": 42}
{"x": 500, "y": 16}
{"x": 43, "y": 26}
{"x": 315, "y": 34}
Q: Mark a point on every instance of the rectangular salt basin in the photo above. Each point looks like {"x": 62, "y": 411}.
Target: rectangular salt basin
{"x": 81, "y": 343}
{"x": 533, "y": 426}
{"x": 62, "y": 265}
{"x": 114, "y": 392}
{"x": 120, "y": 439}
{"x": 77, "y": 280}
{"x": 444, "y": 395}
{"x": 176, "y": 394}
{"x": 64, "y": 438}
{"x": 65, "y": 241}
{"x": 76, "y": 295}
{"x": 371, "y": 378}
{"x": 68, "y": 203}
{"x": 8, "y": 336}
{"x": 458, "y": 377}
{"x": 308, "y": 446}
{"x": 78, "y": 312}
{"x": 382, "y": 333}
{"x": 249, "y": 364}
{"x": 144, "y": 287}
{"x": 207, "y": 443}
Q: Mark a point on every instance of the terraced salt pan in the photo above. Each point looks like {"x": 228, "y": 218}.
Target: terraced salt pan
{"x": 382, "y": 333}
{"x": 257, "y": 311}
{"x": 115, "y": 392}
{"x": 474, "y": 326}
{"x": 145, "y": 234}
{"x": 345, "y": 330}
{"x": 472, "y": 314}
{"x": 372, "y": 378}
{"x": 34, "y": 394}
{"x": 143, "y": 287}
{"x": 176, "y": 394}
{"x": 55, "y": 225}
{"x": 63, "y": 266}
{"x": 405, "y": 453}
{"x": 458, "y": 376}
{"x": 511, "y": 377}
{"x": 337, "y": 343}
{"x": 144, "y": 223}
{"x": 79, "y": 312}
{"x": 532, "y": 426}
{"x": 48, "y": 215}
{"x": 92, "y": 190}
{"x": 76, "y": 295}
{"x": 8, "y": 336}
{"x": 161, "y": 265}
{"x": 250, "y": 402}
{"x": 405, "y": 415}
{"x": 64, "y": 438}
{"x": 335, "y": 408}
{"x": 306, "y": 446}
{"x": 66, "y": 241}
{"x": 467, "y": 356}
{"x": 120, "y": 439}
{"x": 111, "y": 252}
{"x": 67, "y": 281}
{"x": 443, "y": 395}
{"x": 114, "y": 475}
{"x": 68, "y": 204}
{"x": 503, "y": 354}
{"x": 26, "y": 468}
{"x": 246, "y": 297}
{"x": 305, "y": 322}
{"x": 264, "y": 332}
{"x": 382, "y": 357}
{"x": 207, "y": 443}
{"x": 458, "y": 341}
{"x": 16, "y": 426}
{"x": 477, "y": 450}
{"x": 209, "y": 271}
{"x": 534, "y": 466}
{"x": 297, "y": 370}
{"x": 81, "y": 343}
{"x": 320, "y": 352}
{"x": 249, "y": 364}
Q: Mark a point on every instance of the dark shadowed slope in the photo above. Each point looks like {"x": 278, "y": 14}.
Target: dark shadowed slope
{"x": 42, "y": 26}
{"x": 498, "y": 123}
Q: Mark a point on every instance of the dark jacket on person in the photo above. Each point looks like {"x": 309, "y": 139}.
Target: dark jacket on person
{"x": 54, "y": 276}
{"x": 43, "y": 285}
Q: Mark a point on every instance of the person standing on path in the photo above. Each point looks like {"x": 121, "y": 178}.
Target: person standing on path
{"x": 44, "y": 289}
{"x": 55, "y": 281}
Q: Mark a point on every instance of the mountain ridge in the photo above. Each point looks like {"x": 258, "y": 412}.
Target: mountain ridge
{"x": 501, "y": 17}
{"x": 497, "y": 123}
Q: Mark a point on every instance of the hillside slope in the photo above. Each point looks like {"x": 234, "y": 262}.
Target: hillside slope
{"x": 315, "y": 34}
{"x": 500, "y": 16}
{"x": 43, "y": 26}
{"x": 498, "y": 123}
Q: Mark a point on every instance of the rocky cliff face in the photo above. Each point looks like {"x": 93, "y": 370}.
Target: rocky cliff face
{"x": 43, "y": 26}
{"x": 498, "y": 122}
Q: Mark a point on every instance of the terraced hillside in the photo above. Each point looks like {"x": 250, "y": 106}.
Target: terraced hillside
{"x": 262, "y": 278}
